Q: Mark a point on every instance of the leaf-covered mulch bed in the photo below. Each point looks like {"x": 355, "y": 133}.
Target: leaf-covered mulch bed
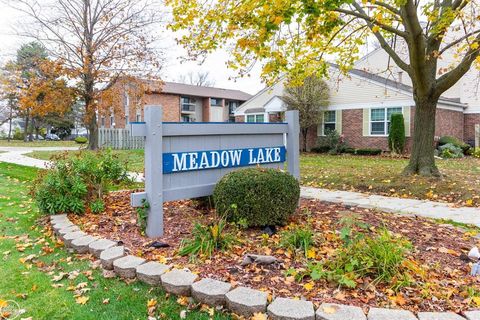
{"x": 442, "y": 280}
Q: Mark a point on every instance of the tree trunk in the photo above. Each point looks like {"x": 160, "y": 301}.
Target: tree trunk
{"x": 25, "y": 130}
{"x": 30, "y": 136}
{"x": 10, "y": 125}
{"x": 304, "y": 142}
{"x": 93, "y": 132}
{"x": 422, "y": 160}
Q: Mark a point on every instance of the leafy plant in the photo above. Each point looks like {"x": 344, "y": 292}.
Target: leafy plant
{"x": 396, "y": 136}
{"x": 97, "y": 206}
{"x": 449, "y": 151}
{"x": 262, "y": 196}
{"x": 297, "y": 238}
{"x": 333, "y": 142}
{"x": 72, "y": 183}
{"x": 142, "y": 214}
{"x": 455, "y": 141}
{"x": 368, "y": 152}
{"x": 379, "y": 256}
{"x": 476, "y": 153}
{"x": 207, "y": 239}
{"x": 349, "y": 222}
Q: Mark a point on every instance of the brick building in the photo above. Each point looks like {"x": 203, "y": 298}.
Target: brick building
{"x": 362, "y": 101}
{"x": 181, "y": 103}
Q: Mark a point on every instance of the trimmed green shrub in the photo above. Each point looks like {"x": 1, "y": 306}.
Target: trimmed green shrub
{"x": 455, "y": 141}
{"x": 72, "y": 184}
{"x": 333, "y": 142}
{"x": 321, "y": 149}
{"x": 81, "y": 140}
{"x": 260, "y": 196}
{"x": 368, "y": 152}
{"x": 396, "y": 136}
{"x": 449, "y": 150}
{"x": 349, "y": 150}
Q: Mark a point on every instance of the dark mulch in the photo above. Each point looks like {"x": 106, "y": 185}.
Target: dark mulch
{"x": 442, "y": 280}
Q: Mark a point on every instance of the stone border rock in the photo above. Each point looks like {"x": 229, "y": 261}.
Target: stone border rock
{"x": 241, "y": 300}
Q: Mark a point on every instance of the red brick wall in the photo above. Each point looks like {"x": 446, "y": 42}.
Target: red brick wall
{"x": 169, "y": 102}
{"x": 448, "y": 122}
{"x": 206, "y": 109}
{"x": 469, "y": 126}
{"x": 274, "y": 117}
{"x": 352, "y": 123}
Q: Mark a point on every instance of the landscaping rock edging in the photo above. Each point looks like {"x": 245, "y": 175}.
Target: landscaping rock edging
{"x": 240, "y": 300}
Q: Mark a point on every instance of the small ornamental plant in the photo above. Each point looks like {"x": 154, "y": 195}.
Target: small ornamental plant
{"x": 74, "y": 183}
{"x": 297, "y": 237}
{"x": 260, "y": 196}
{"x": 206, "y": 239}
{"x": 379, "y": 255}
{"x": 396, "y": 136}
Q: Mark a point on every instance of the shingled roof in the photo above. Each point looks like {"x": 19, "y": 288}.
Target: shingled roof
{"x": 200, "y": 91}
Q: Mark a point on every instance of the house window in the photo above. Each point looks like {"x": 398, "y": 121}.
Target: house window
{"x": 329, "y": 121}
{"x": 103, "y": 121}
{"x": 186, "y": 119}
{"x": 256, "y": 118}
{"x": 112, "y": 122}
{"x": 232, "y": 106}
{"x": 138, "y": 118}
{"x": 215, "y": 102}
{"x": 187, "y": 104}
{"x": 380, "y": 120}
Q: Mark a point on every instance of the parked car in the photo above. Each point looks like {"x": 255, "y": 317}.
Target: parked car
{"x": 39, "y": 138}
{"x": 52, "y": 136}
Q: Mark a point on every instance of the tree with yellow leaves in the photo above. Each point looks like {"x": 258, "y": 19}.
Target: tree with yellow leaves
{"x": 296, "y": 36}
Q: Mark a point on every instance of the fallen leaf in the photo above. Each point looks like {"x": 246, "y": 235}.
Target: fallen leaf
{"x": 82, "y": 300}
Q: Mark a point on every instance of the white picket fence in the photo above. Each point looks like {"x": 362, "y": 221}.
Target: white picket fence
{"x": 119, "y": 139}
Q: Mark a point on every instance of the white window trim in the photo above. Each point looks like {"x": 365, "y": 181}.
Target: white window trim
{"x": 323, "y": 122}
{"x": 385, "y": 121}
{"x": 265, "y": 117}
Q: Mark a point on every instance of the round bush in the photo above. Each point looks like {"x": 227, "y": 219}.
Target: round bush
{"x": 455, "y": 141}
{"x": 257, "y": 196}
{"x": 81, "y": 140}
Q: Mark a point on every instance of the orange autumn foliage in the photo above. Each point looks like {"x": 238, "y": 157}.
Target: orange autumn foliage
{"x": 47, "y": 90}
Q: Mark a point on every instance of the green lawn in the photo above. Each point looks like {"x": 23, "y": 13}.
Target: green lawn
{"x": 30, "y": 261}
{"x": 19, "y": 143}
{"x": 380, "y": 175}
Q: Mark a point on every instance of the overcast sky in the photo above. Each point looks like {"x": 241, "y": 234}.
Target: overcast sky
{"x": 215, "y": 64}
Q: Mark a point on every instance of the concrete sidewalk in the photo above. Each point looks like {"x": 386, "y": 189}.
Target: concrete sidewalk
{"x": 424, "y": 208}
{"x": 17, "y": 155}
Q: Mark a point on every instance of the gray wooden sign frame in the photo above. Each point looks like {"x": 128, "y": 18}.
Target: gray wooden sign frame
{"x": 162, "y": 138}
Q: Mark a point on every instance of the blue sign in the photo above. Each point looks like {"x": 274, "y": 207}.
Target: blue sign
{"x": 217, "y": 159}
